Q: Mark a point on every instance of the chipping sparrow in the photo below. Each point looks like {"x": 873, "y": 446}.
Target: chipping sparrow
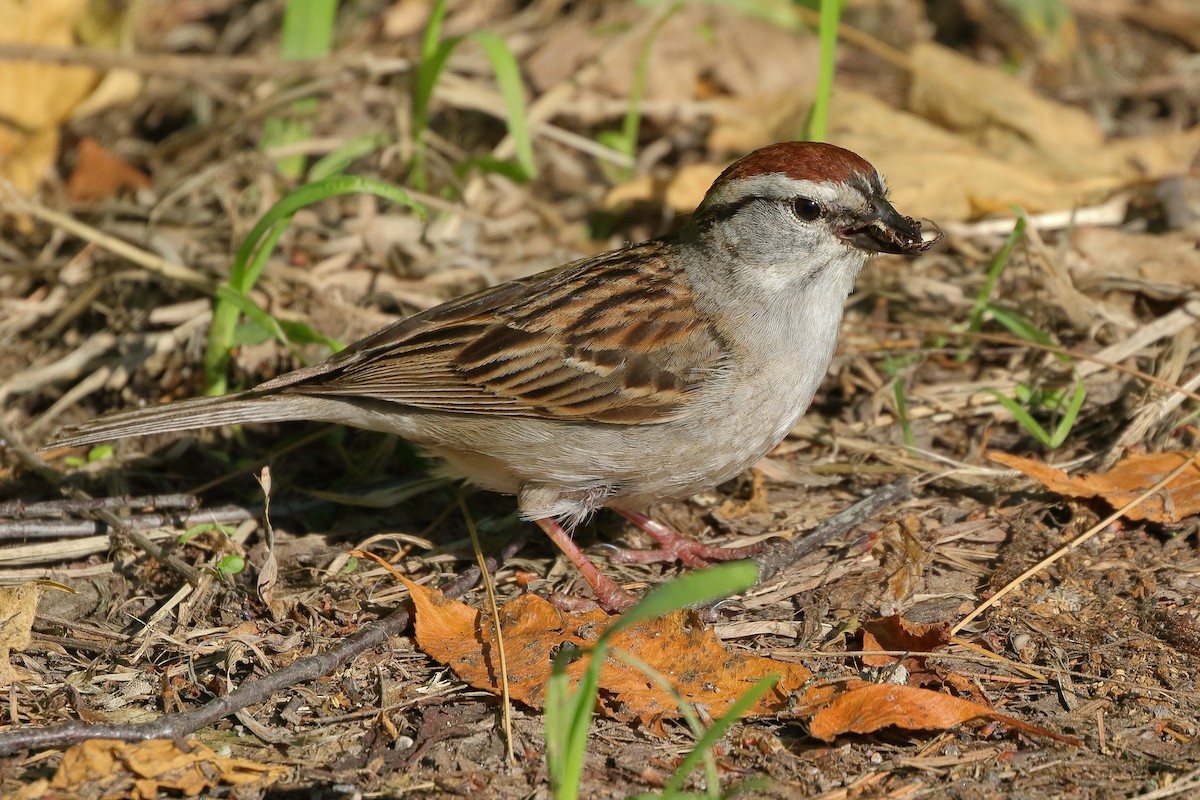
{"x": 619, "y": 380}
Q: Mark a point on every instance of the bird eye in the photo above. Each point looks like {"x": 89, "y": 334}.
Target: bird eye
{"x": 807, "y": 209}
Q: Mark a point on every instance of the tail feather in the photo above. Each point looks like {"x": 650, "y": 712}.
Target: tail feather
{"x": 200, "y": 412}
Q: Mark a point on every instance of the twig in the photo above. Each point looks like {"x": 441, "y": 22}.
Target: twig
{"x": 200, "y": 68}
{"x": 778, "y": 556}
{"x": 143, "y": 258}
{"x": 176, "y": 726}
{"x": 58, "y": 528}
{"x": 19, "y": 509}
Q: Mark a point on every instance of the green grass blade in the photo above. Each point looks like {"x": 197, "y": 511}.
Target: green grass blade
{"x": 827, "y": 30}
{"x": 569, "y": 712}
{"x": 690, "y": 589}
{"x": 432, "y": 35}
{"x": 1018, "y": 325}
{"x": 222, "y": 331}
{"x": 307, "y": 33}
{"x": 1022, "y": 416}
{"x": 508, "y": 78}
{"x": 307, "y": 29}
{"x": 625, "y": 141}
{"x": 718, "y": 729}
{"x": 568, "y": 718}
{"x": 434, "y": 53}
{"x": 995, "y": 270}
{"x": 252, "y": 255}
{"x": 427, "y": 76}
{"x": 245, "y": 305}
{"x": 1069, "y": 416}
{"x": 334, "y": 163}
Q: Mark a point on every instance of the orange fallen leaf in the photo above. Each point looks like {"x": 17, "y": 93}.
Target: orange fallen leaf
{"x": 99, "y": 174}
{"x": 896, "y": 633}
{"x": 1126, "y": 481}
{"x": 702, "y": 670}
{"x": 867, "y": 707}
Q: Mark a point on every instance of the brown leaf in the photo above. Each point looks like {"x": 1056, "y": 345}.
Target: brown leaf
{"x": 99, "y": 174}
{"x": 896, "y": 633}
{"x": 702, "y": 670}
{"x": 18, "y": 606}
{"x": 1172, "y": 257}
{"x": 35, "y": 97}
{"x": 108, "y": 768}
{"x": 1126, "y": 481}
{"x": 868, "y": 707}
{"x": 688, "y": 654}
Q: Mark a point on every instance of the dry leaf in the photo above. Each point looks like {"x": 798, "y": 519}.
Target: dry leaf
{"x": 1000, "y": 112}
{"x": 36, "y": 97}
{"x": 896, "y": 633}
{"x": 1164, "y": 258}
{"x": 1126, "y": 481}
{"x": 99, "y": 174}
{"x": 868, "y": 707}
{"x": 109, "y": 769}
{"x": 701, "y": 668}
{"x": 18, "y": 607}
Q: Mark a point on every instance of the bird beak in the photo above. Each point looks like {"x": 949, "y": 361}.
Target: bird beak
{"x": 883, "y": 230}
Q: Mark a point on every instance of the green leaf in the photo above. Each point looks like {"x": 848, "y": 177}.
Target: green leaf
{"x": 231, "y": 565}
{"x": 204, "y": 527}
{"x": 99, "y": 453}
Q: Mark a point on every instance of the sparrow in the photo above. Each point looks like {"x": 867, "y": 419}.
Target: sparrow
{"x": 620, "y": 380}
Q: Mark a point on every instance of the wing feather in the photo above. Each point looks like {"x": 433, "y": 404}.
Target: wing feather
{"x": 600, "y": 339}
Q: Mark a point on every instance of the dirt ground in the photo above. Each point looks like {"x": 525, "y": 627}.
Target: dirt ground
{"x": 1085, "y": 115}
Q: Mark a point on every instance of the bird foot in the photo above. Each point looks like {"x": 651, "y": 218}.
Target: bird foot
{"x": 674, "y": 548}
{"x": 609, "y": 596}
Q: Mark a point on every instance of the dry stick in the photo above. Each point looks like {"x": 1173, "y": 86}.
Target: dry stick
{"x": 198, "y": 68}
{"x": 498, "y": 633}
{"x": 177, "y": 726}
{"x": 780, "y": 555}
{"x": 112, "y": 244}
{"x": 1083, "y": 537}
{"x": 78, "y": 505}
{"x": 60, "y": 528}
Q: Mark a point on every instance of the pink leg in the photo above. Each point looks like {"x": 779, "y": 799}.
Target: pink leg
{"x": 673, "y": 547}
{"x": 611, "y": 598}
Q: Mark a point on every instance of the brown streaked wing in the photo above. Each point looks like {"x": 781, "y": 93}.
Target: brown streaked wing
{"x": 599, "y": 340}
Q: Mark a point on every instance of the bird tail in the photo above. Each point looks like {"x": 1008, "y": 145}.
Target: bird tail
{"x": 200, "y": 412}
